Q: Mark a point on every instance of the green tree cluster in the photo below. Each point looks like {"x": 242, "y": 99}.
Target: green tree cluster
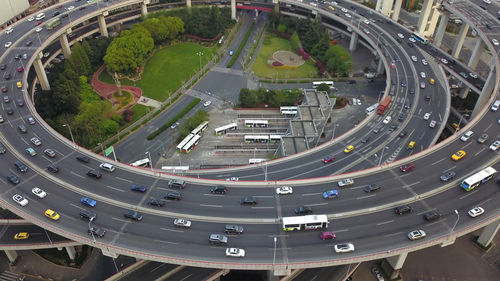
{"x": 272, "y": 98}
{"x": 163, "y": 28}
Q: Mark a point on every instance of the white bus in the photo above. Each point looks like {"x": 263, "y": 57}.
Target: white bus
{"x": 371, "y": 108}
{"x": 309, "y": 222}
{"x": 256, "y": 123}
{"x": 478, "y": 178}
{"x": 222, "y": 130}
{"x": 200, "y": 128}
{"x": 256, "y": 160}
{"x": 316, "y": 84}
{"x": 141, "y": 163}
{"x": 256, "y": 138}
{"x": 184, "y": 142}
{"x": 191, "y": 144}
{"x": 40, "y": 16}
{"x": 274, "y": 138}
{"x": 289, "y": 110}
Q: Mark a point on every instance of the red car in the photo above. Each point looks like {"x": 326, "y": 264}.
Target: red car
{"x": 407, "y": 167}
{"x": 4, "y": 89}
{"x": 328, "y": 159}
{"x": 20, "y": 69}
{"x": 327, "y": 235}
{"x": 38, "y": 23}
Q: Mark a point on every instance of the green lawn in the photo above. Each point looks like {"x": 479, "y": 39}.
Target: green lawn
{"x": 139, "y": 111}
{"x": 271, "y": 44}
{"x": 168, "y": 69}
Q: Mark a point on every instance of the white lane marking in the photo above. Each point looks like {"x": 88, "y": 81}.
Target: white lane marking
{"x": 215, "y": 206}
{"x": 173, "y": 230}
{"x": 393, "y": 234}
{"x": 123, "y": 179}
{"x": 121, "y": 220}
{"x": 484, "y": 202}
{"x": 162, "y": 188}
{"x": 309, "y": 194}
{"x": 213, "y": 194}
{"x": 167, "y": 242}
{"x": 186, "y": 277}
{"x": 263, "y": 196}
{"x": 117, "y": 189}
{"x": 76, "y": 206}
{"x": 342, "y": 230}
{"x": 75, "y": 174}
{"x": 482, "y": 149}
{"x": 317, "y": 204}
{"x": 281, "y": 235}
{"x": 272, "y": 207}
{"x": 466, "y": 195}
{"x": 437, "y": 161}
{"x": 385, "y": 222}
{"x": 364, "y": 197}
{"x": 415, "y": 183}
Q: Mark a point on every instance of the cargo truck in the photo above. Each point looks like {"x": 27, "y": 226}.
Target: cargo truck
{"x": 383, "y": 105}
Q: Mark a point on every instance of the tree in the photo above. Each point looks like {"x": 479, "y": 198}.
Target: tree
{"x": 323, "y": 88}
{"x": 247, "y": 98}
{"x": 79, "y": 60}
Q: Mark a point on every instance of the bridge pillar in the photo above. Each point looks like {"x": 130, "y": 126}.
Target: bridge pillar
{"x": 476, "y": 54}
{"x": 424, "y": 16}
{"x": 487, "y": 235}
{"x": 433, "y": 21}
{"x": 63, "y": 40}
{"x": 188, "y": 3}
{"x": 463, "y": 93}
{"x": 354, "y": 41}
{"x": 11, "y": 255}
{"x": 393, "y": 265}
{"x": 40, "y": 72}
{"x": 397, "y": 9}
{"x": 460, "y": 40}
{"x": 144, "y": 8}
{"x": 233, "y": 9}
{"x": 378, "y": 6}
{"x": 71, "y": 252}
{"x": 486, "y": 91}
{"x": 438, "y": 38}
{"x": 380, "y": 66}
{"x": 387, "y": 7}
{"x": 103, "y": 29}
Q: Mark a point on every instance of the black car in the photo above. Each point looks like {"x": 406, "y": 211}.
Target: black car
{"x": 412, "y": 91}
{"x": 96, "y": 231}
{"x": 365, "y": 139}
{"x": 371, "y": 187}
{"x": 138, "y": 188}
{"x": 55, "y": 14}
{"x": 52, "y": 168}
{"x": 403, "y": 210}
{"x": 94, "y": 174}
{"x": 86, "y": 214}
{"x": 20, "y": 102}
{"x": 249, "y": 200}
{"x": 83, "y": 158}
{"x": 172, "y": 195}
{"x": 81, "y": 8}
{"x": 410, "y": 44}
{"x": 403, "y": 134}
{"x": 432, "y": 216}
{"x": 21, "y": 167}
{"x": 3, "y": 66}
{"x": 156, "y": 202}
{"x": 133, "y": 215}
{"x": 64, "y": 16}
{"x": 302, "y": 210}
{"x": 7, "y": 76}
{"x": 29, "y": 43}
{"x": 233, "y": 229}
{"x": 13, "y": 179}
{"x": 218, "y": 189}
{"x": 401, "y": 117}
{"x": 22, "y": 128}
{"x": 392, "y": 128}
{"x": 17, "y": 57}
{"x": 2, "y": 149}
{"x": 9, "y": 110}
{"x": 447, "y": 176}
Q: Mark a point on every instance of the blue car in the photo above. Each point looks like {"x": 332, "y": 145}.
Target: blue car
{"x": 89, "y": 202}
{"x": 403, "y": 84}
{"x": 331, "y": 194}
{"x": 139, "y": 188}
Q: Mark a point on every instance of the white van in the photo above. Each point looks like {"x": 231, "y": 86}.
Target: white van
{"x": 107, "y": 167}
{"x": 40, "y": 16}
{"x": 495, "y": 105}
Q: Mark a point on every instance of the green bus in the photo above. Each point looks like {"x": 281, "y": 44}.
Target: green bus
{"x": 53, "y": 23}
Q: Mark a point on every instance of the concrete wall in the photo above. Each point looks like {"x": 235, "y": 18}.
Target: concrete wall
{"x": 11, "y": 9}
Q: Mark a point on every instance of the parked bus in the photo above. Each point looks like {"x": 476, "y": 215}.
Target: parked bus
{"x": 256, "y": 123}
{"x": 184, "y": 142}
{"x": 256, "y": 138}
{"x": 141, "y": 163}
{"x": 288, "y": 110}
{"x": 274, "y": 138}
{"x": 419, "y": 38}
{"x": 316, "y": 84}
{"x": 200, "y": 128}
{"x": 478, "y": 178}
{"x": 53, "y": 23}
{"x": 371, "y": 108}
{"x": 309, "y": 222}
{"x": 256, "y": 160}
{"x": 191, "y": 144}
{"x": 222, "y": 130}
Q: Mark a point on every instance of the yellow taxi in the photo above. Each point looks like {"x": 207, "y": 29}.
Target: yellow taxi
{"x": 411, "y": 145}
{"x": 458, "y": 155}
{"x": 52, "y": 214}
{"x": 21, "y": 235}
{"x": 455, "y": 126}
{"x": 432, "y": 81}
{"x": 331, "y": 8}
{"x": 19, "y": 84}
{"x": 349, "y": 148}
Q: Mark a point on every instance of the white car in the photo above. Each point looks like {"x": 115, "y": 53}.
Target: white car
{"x": 366, "y": 31}
{"x": 344, "y": 248}
{"x": 207, "y": 103}
{"x": 487, "y": 1}
{"x": 345, "y": 182}
{"x": 20, "y": 200}
{"x": 182, "y": 223}
{"x": 349, "y": 16}
{"x": 387, "y": 120}
{"x": 235, "y": 252}
{"x": 414, "y": 58}
{"x": 424, "y": 62}
{"x": 36, "y": 141}
{"x": 494, "y": 41}
{"x": 366, "y": 21}
{"x": 70, "y": 8}
{"x": 432, "y": 124}
{"x": 31, "y": 18}
{"x": 8, "y": 44}
{"x": 411, "y": 39}
{"x": 473, "y": 75}
{"x": 401, "y": 36}
{"x": 422, "y": 74}
{"x": 495, "y": 145}
{"x": 476, "y": 211}
{"x": 416, "y": 234}
{"x": 467, "y": 136}
{"x": 427, "y": 116}
{"x": 344, "y": 10}
{"x": 9, "y": 30}
{"x": 39, "y": 192}
{"x": 38, "y": 29}
{"x": 284, "y": 190}
{"x": 233, "y": 179}
{"x": 445, "y": 61}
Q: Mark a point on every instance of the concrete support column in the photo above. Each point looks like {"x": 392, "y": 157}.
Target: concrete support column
{"x": 459, "y": 42}
{"x": 487, "y": 235}
{"x": 463, "y": 93}
{"x": 476, "y": 54}
{"x": 63, "y": 40}
{"x": 40, "y": 72}
{"x": 438, "y": 38}
{"x": 378, "y": 6}
{"x": 380, "y": 66}
{"x": 144, "y": 10}
{"x": 271, "y": 276}
{"x": 188, "y": 3}
{"x": 71, "y": 252}
{"x": 233, "y": 9}
{"x": 354, "y": 41}
{"x": 424, "y": 16}
{"x": 397, "y": 9}
{"x": 433, "y": 21}
{"x": 11, "y": 255}
{"x": 486, "y": 92}
{"x": 103, "y": 29}
{"x": 387, "y": 7}
{"x": 396, "y": 264}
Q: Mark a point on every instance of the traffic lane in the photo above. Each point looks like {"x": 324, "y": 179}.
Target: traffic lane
{"x": 193, "y": 274}
{"x": 149, "y": 271}
{"x": 36, "y": 235}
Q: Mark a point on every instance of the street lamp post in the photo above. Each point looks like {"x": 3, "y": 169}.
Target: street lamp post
{"x": 382, "y": 155}
{"x": 102, "y": 148}
{"x": 460, "y": 122}
{"x": 71, "y": 134}
{"x": 90, "y": 228}
{"x": 456, "y": 222}
{"x": 199, "y": 55}
{"x": 274, "y": 256}
{"x": 150, "y": 162}
{"x": 334, "y": 127}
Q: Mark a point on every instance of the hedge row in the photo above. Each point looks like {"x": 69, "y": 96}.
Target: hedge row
{"x": 173, "y": 120}
{"x": 240, "y": 48}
